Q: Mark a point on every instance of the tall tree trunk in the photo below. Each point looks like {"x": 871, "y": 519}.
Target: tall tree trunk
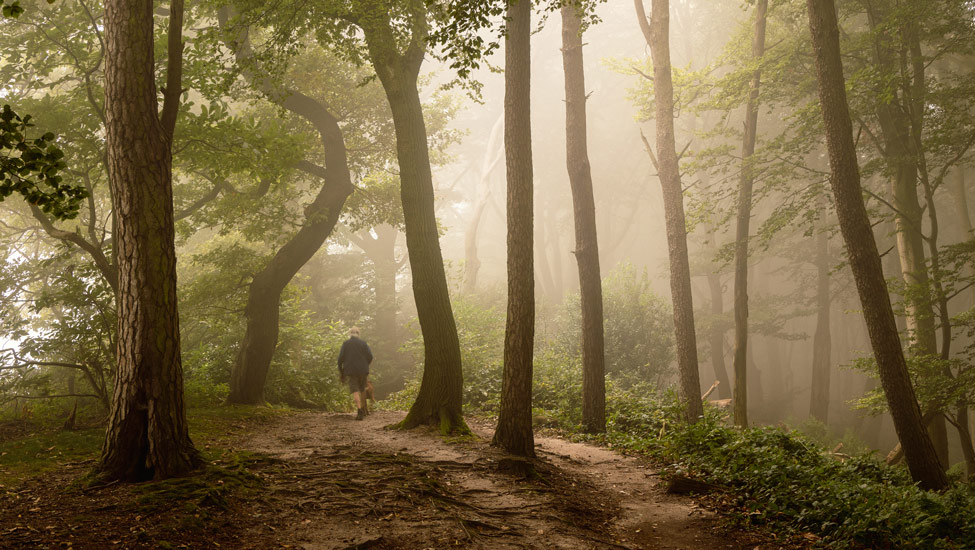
{"x": 514, "y": 432}
{"x": 862, "y": 250}
{"x": 440, "y": 398}
{"x": 584, "y": 210}
{"x": 740, "y": 400}
{"x": 147, "y": 434}
{"x": 657, "y": 34}
{"x": 716, "y": 337}
{"x": 544, "y": 282}
{"x": 249, "y": 372}
{"x": 898, "y": 119}
{"x": 822, "y": 348}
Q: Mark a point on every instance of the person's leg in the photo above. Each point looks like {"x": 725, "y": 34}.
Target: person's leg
{"x": 357, "y": 398}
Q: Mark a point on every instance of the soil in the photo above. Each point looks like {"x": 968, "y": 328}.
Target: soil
{"x": 325, "y": 481}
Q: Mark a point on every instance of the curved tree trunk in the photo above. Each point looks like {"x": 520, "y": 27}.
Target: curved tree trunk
{"x": 862, "y": 250}
{"x": 657, "y": 34}
{"x": 740, "y": 400}
{"x": 584, "y": 206}
{"x": 440, "y": 397}
{"x": 253, "y": 361}
{"x": 514, "y": 431}
{"x": 147, "y": 434}
{"x": 249, "y": 373}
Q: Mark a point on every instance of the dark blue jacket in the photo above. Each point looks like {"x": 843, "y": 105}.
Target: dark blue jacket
{"x": 354, "y": 357}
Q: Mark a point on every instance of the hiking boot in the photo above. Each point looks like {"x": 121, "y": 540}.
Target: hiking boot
{"x": 360, "y": 415}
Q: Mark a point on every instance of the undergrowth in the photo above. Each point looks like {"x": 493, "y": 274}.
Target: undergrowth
{"x": 784, "y": 480}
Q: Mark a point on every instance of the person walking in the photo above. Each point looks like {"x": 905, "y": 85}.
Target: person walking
{"x": 354, "y": 359}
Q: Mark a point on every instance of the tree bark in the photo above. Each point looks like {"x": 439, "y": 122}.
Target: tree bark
{"x": 657, "y": 34}
{"x": 862, "y": 250}
{"x": 147, "y": 433}
{"x": 584, "y": 210}
{"x": 822, "y": 344}
{"x": 440, "y": 398}
{"x": 514, "y": 431}
{"x": 740, "y": 400}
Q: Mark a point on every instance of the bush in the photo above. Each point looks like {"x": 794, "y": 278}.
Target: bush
{"x": 638, "y": 328}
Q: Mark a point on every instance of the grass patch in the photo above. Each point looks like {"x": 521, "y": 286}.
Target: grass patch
{"x": 44, "y": 450}
{"x": 38, "y": 447}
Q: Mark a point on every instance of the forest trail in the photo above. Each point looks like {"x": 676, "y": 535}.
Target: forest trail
{"x": 343, "y": 484}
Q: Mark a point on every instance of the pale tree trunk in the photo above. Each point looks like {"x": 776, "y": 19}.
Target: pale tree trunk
{"x": 822, "y": 343}
{"x": 740, "y": 400}
{"x": 440, "y": 398}
{"x": 147, "y": 434}
{"x": 514, "y": 431}
{"x": 897, "y": 119}
{"x": 716, "y": 337}
{"x": 861, "y": 247}
{"x": 381, "y": 251}
{"x": 545, "y": 285}
{"x": 657, "y": 34}
{"x": 584, "y": 209}
{"x": 959, "y": 195}
{"x": 492, "y": 156}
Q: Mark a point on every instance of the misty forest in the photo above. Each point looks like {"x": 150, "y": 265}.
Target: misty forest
{"x": 495, "y": 274}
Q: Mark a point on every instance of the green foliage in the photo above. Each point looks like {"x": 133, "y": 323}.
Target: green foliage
{"x": 31, "y": 166}
{"x": 638, "y": 328}
{"x": 784, "y": 480}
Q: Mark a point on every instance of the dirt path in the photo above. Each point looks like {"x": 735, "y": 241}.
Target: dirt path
{"x": 346, "y": 484}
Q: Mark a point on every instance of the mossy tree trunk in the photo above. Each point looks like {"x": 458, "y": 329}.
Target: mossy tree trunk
{"x": 440, "y": 397}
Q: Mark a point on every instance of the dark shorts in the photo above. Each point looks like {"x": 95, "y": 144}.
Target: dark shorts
{"x": 357, "y": 383}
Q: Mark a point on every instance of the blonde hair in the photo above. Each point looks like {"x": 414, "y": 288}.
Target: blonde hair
{"x": 354, "y": 331}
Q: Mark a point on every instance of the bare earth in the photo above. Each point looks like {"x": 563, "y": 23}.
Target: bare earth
{"x": 329, "y": 482}
{"x": 368, "y": 487}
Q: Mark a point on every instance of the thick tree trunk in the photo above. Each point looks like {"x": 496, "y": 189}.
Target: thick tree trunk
{"x": 514, "y": 431}
{"x": 862, "y": 250}
{"x": 822, "y": 348}
{"x": 147, "y": 433}
{"x": 740, "y": 400}
{"x": 584, "y": 209}
{"x": 440, "y": 397}
{"x": 657, "y": 34}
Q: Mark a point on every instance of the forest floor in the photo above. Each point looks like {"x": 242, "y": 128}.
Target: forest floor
{"x": 325, "y": 481}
